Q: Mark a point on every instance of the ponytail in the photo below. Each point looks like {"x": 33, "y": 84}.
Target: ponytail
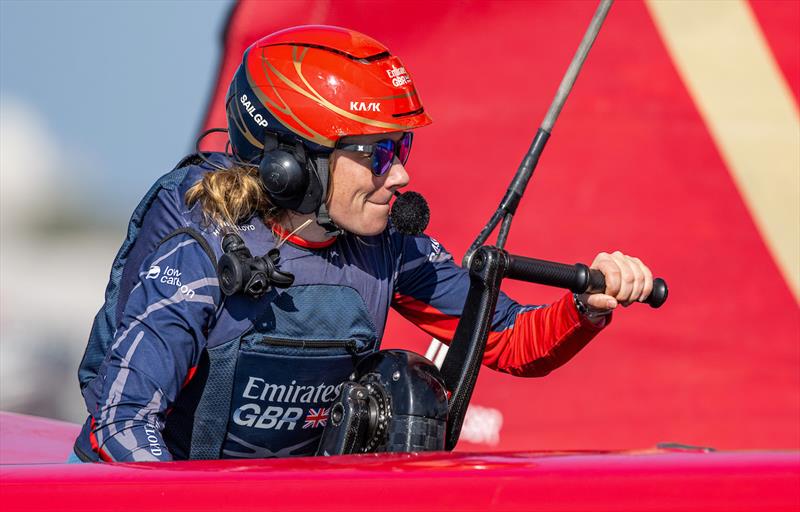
{"x": 231, "y": 196}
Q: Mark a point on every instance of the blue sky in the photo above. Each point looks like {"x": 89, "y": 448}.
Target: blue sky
{"x": 122, "y": 84}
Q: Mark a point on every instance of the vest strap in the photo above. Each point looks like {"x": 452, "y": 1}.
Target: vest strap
{"x": 198, "y": 238}
{"x": 323, "y": 218}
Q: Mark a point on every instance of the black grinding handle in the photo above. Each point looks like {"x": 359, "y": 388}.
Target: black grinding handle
{"x": 577, "y": 278}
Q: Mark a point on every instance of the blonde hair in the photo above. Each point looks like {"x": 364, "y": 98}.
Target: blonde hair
{"x": 231, "y": 196}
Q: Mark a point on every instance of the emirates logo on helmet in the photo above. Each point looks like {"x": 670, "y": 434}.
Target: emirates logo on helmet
{"x": 399, "y": 76}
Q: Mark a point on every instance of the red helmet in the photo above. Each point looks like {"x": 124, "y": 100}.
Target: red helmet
{"x": 317, "y": 84}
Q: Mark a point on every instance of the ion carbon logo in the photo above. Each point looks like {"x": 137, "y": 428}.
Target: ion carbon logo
{"x": 171, "y": 276}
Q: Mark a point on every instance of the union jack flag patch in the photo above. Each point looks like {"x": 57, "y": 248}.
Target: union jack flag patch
{"x": 316, "y": 418}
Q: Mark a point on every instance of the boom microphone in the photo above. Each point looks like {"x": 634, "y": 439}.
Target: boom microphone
{"x": 410, "y": 213}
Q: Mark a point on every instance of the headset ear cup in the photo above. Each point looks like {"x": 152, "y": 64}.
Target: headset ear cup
{"x": 284, "y": 178}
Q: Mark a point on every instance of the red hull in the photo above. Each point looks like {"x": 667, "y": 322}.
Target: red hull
{"x": 32, "y": 478}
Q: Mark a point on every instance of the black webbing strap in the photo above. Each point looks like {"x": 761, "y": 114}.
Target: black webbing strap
{"x": 198, "y": 238}
{"x": 323, "y": 218}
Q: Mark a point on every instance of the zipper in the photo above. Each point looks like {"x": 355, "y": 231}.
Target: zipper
{"x": 350, "y": 345}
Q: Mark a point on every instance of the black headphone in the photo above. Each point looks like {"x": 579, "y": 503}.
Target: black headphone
{"x": 291, "y": 178}
{"x": 240, "y": 272}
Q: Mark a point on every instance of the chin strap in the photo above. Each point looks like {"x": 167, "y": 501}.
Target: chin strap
{"x": 323, "y": 219}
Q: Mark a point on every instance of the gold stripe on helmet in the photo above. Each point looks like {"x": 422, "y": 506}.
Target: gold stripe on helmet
{"x": 330, "y": 106}
{"x": 272, "y": 107}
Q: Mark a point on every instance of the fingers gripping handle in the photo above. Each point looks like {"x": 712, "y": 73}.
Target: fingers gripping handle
{"x": 597, "y": 283}
{"x": 577, "y": 278}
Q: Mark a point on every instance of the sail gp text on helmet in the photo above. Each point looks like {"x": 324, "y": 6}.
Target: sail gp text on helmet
{"x": 275, "y": 417}
{"x": 250, "y": 109}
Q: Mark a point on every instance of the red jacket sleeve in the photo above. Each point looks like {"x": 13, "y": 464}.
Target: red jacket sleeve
{"x": 528, "y": 341}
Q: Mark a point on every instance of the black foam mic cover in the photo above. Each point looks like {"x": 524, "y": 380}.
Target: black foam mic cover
{"x": 410, "y": 213}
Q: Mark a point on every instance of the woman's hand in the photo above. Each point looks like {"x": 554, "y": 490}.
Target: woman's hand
{"x": 628, "y": 280}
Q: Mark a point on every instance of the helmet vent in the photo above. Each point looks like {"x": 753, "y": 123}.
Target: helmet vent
{"x": 363, "y": 60}
{"x": 412, "y": 113}
{"x": 373, "y": 58}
